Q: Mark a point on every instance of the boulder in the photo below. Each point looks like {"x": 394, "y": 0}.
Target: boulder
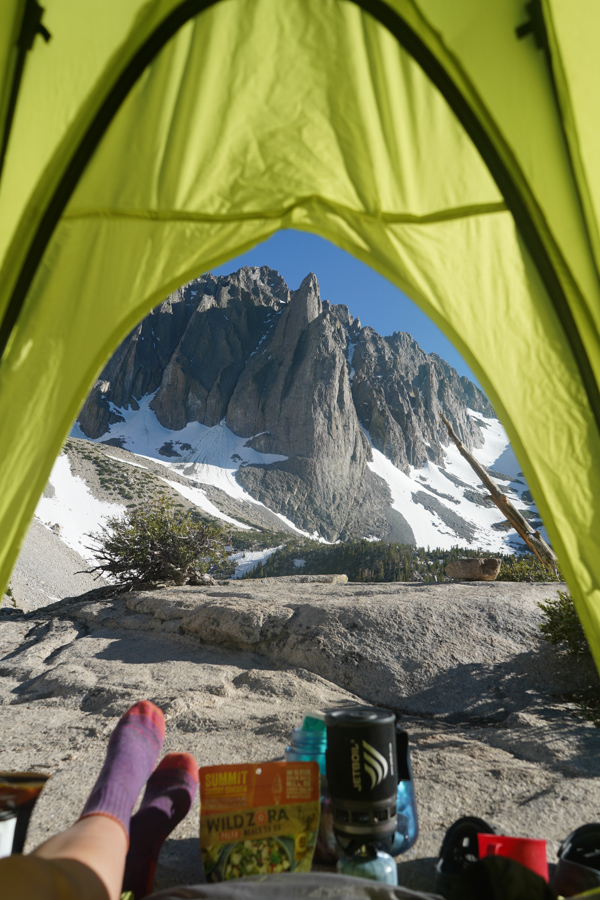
{"x": 468, "y": 569}
{"x": 205, "y": 578}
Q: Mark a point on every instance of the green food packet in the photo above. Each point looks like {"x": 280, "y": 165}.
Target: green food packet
{"x": 258, "y": 818}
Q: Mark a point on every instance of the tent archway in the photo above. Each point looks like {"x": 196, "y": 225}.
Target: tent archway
{"x": 346, "y": 144}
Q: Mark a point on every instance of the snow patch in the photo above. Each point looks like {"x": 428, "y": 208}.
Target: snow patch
{"x": 428, "y": 528}
{"x": 215, "y": 454}
{"x": 350, "y": 357}
{"x": 198, "y": 497}
{"x": 74, "y": 508}
{"x": 127, "y": 462}
{"x": 248, "y": 560}
{"x": 496, "y": 443}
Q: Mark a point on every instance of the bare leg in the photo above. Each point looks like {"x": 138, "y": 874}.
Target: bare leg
{"x": 100, "y": 839}
{"x": 98, "y": 842}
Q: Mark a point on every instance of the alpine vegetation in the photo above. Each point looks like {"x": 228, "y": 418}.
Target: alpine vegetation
{"x": 158, "y": 543}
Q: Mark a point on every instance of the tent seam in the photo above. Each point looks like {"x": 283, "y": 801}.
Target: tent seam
{"x": 462, "y": 212}
{"x": 546, "y": 254}
{"x": 568, "y": 122}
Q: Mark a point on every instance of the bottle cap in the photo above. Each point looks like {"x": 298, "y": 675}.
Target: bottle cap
{"x": 313, "y": 721}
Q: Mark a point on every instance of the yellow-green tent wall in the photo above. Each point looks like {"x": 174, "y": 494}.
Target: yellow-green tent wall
{"x": 451, "y": 146}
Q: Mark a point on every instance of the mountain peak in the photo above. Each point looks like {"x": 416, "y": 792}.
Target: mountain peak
{"x": 309, "y": 281}
{"x": 303, "y": 383}
{"x": 305, "y": 303}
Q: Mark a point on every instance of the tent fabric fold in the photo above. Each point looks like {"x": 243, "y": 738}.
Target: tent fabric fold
{"x": 154, "y": 139}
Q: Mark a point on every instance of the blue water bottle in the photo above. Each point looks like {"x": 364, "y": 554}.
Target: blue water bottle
{"x": 308, "y": 742}
{"x": 407, "y": 823}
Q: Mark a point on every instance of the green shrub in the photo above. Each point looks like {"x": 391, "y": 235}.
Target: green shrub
{"x": 562, "y": 626}
{"x": 526, "y": 568}
{"x": 563, "y": 629}
{"x": 157, "y": 542}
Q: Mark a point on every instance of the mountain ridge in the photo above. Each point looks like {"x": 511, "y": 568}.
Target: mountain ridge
{"x": 305, "y": 386}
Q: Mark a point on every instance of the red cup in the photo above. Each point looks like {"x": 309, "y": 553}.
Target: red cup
{"x": 527, "y": 851}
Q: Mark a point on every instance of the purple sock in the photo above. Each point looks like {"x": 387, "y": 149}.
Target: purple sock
{"x": 169, "y": 794}
{"x": 132, "y": 752}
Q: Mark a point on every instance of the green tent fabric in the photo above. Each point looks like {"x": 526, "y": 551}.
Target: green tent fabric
{"x": 453, "y": 147}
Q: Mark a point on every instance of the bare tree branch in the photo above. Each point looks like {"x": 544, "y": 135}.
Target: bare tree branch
{"x": 533, "y": 539}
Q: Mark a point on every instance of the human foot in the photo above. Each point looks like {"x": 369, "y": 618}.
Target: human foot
{"x": 169, "y": 794}
{"x": 132, "y": 752}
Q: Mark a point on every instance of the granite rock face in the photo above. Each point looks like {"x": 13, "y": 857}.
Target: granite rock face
{"x": 298, "y": 378}
{"x": 190, "y": 350}
{"x": 234, "y": 667}
{"x": 399, "y": 392}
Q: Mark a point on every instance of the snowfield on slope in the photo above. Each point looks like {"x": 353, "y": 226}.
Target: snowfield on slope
{"x": 429, "y": 529}
{"x": 432, "y": 499}
{"x": 74, "y": 508}
{"x": 206, "y": 456}
{"x": 246, "y": 560}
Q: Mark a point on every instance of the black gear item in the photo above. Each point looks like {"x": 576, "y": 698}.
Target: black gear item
{"x": 499, "y": 878}
{"x": 458, "y": 851}
{"x": 578, "y": 868}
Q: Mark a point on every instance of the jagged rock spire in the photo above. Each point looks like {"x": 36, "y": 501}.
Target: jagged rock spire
{"x": 275, "y": 365}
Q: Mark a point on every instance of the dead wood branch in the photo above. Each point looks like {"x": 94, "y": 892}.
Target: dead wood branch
{"x": 533, "y": 539}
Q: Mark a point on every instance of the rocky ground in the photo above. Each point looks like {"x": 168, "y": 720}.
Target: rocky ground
{"x": 47, "y": 570}
{"x": 234, "y": 667}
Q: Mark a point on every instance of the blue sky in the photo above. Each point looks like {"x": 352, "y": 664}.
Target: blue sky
{"x": 343, "y": 279}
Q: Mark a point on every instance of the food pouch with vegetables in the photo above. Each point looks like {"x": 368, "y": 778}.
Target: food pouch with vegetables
{"x": 258, "y": 818}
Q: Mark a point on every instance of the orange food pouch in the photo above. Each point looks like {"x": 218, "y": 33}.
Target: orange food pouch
{"x": 258, "y": 818}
